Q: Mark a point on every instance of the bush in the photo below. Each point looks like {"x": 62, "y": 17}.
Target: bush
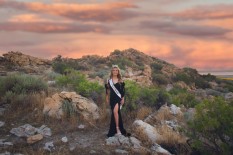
{"x": 159, "y": 79}
{"x": 183, "y": 77}
{"x": 209, "y": 77}
{"x": 121, "y": 62}
{"x": 163, "y": 97}
{"x": 20, "y": 83}
{"x": 201, "y": 83}
{"x": 60, "y": 67}
{"x": 190, "y": 76}
{"x": 156, "y": 67}
{"x": 100, "y": 74}
{"x": 212, "y": 128}
{"x": 131, "y": 94}
{"x": 186, "y": 99}
{"x": 68, "y": 109}
{"x": 81, "y": 85}
{"x": 149, "y": 96}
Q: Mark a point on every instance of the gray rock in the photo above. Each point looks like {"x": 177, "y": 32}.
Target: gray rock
{"x": 2, "y": 111}
{"x": 49, "y": 146}
{"x": 27, "y": 130}
{"x": 72, "y": 146}
{"x": 4, "y": 143}
{"x": 2, "y": 123}
{"x": 172, "y": 124}
{"x": 147, "y": 130}
{"x": 229, "y": 96}
{"x": 45, "y": 131}
{"x": 112, "y": 141}
{"x": 92, "y": 152}
{"x": 169, "y": 87}
{"x": 136, "y": 143}
{"x": 51, "y": 83}
{"x": 64, "y": 139}
{"x": 8, "y": 153}
{"x": 81, "y": 126}
{"x": 119, "y": 151}
{"x": 24, "y": 131}
{"x": 174, "y": 109}
{"x": 213, "y": 92}
{"x": 158, "y": 149}
{"x": 124, "y": 140}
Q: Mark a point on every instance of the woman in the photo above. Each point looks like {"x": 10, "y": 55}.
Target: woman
{"x": 115, "y": 88}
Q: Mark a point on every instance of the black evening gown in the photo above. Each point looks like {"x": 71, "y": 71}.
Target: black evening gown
{"x": 114, "y": 99}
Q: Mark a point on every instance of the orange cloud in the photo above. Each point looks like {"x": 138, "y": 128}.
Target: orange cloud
{"x": 217, "y": 11}
{"x": 49, "y": 27}
{"x": 28, "y": 18}
{"x": 107, "y": 12}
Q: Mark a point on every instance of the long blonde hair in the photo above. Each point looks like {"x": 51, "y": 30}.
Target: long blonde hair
{"x": 119, "y": 76}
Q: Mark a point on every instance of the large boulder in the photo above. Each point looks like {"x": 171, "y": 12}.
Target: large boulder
{"x": 26, "y": 63}
{"x": 146, "y": 131}
{"x": 86, "y": 107}
{"x": 141, "y": 77}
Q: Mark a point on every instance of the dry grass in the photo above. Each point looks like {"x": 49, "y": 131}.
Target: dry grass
{"x": 164, "y": 114}
{"x": 144, "y": 112}
{"x": 169, "y": 136}
{"x": 29, "y": 109}
{"x": 227, "y": 78}
{"x": 142, "y": 136}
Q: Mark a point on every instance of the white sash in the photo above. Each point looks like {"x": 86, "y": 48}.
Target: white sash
{"x": 114, "y": 88}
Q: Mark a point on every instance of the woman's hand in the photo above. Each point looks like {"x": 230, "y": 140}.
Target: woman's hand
{"x": 122, "y": 101}
{"x": 107, "y": 99}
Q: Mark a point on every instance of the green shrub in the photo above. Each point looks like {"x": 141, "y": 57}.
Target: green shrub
{"x": 163, "y": 97}
{"x": 201, "y": 83}
{"x": 209, "y": 77}
{"x": 212, "y": 127}
{"x": 51, "y": 75}
{"x": 186, "y": 99}
{"x": 131, "y": 94}
{"x": 149, "y": 96}
{"x": 20, "y": 83}
{"x": 183, "y": 77}
{"x": 81, "y": 85}
{"x": 60, "y": 67}
{"x": 177, "y": 90}
{"x": 156, "y": 67}
{"x": 121, "y": 62}
{"x": 159, "y": 79}
{"x": 100, "y": 74}
{"x": 68, "y": 109}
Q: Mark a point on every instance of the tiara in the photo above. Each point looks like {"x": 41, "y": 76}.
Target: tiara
{"x": 115, "y": 66}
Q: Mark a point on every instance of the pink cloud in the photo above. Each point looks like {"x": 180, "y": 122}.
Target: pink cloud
{"x": 48, "y": 27}
{"x": 107, "y": 12}
{"x": 217, "y": 11}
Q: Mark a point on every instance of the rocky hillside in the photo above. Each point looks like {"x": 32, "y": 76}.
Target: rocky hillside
{"x": 135, "y": 65}
{"x": 18, "y": 61}
{"x": 61, "y": 111}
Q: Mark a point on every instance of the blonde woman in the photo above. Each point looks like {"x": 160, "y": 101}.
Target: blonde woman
{"x": 115, "y": 89}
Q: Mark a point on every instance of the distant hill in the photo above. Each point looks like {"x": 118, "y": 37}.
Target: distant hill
{"x": 135, "y": 65}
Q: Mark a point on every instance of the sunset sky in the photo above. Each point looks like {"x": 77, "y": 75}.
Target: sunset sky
{"x": 187, "y": 33}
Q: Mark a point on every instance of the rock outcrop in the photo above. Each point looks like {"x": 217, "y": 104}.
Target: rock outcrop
{"x": 142, "y": 77}
{"x": 87, "y": 108}
{"x": 26, "y": 63}
{"x": 145, "y": 130}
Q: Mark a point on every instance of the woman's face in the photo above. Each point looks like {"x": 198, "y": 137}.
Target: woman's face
{"x": 115, "y": 71}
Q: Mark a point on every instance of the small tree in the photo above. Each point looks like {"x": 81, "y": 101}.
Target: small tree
{"x": 212, "y": 127}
